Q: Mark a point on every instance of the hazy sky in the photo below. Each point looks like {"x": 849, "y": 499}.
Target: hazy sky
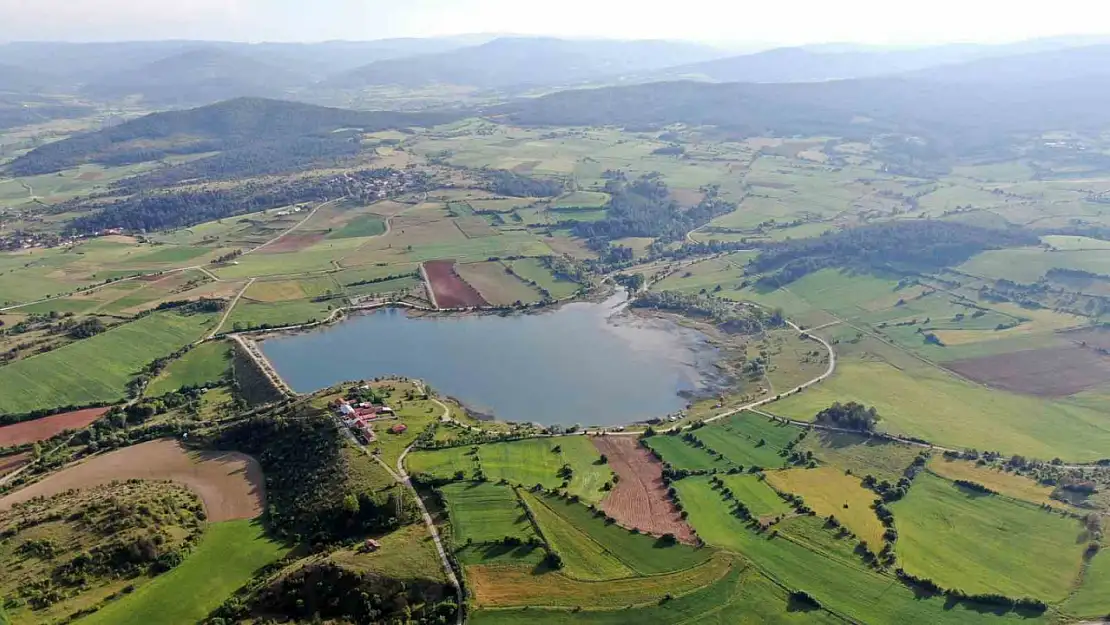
{"x": 741, "y": 21}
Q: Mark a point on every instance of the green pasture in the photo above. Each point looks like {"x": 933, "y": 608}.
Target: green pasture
{"x": 229, "y": 554}
{"x": 442, "y": 464}
{"x": 929, "y": 403}
{"x": 205, "y": 364}
{"x": 533, "y": 269}
{"x": 580, "y": 199}
{"x": 682, "y": 455}
{"x": 836, "y": 578}
{"x": 742, "y": 597}
{"x": 1092, "y": 598}
{"x": 361, "y": 226}
{"x": 484, "y": 512}
{"x": 747, "y": 439}
{"x": 643, "y": 554}
{"x": 754, "y": 492}
{"x": 250, "y": 314}
{"x": 96, "y": 369}
{"x": 964, "y": 539}
{"x": 583, "y": 557}
{"x": 537, "y": 461}
{"x": 1027, "y": 265}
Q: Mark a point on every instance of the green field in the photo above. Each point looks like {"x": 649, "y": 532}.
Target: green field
{"x": 965, "y": 540}
{"x": 643, "y": 554}
{"x": 205, "y": 364}
{"x": 743, "y": 597}
{"x": 535, "y": 461}
{"x": 747, "y": 439}
{"x": 829, "y": 492}
{"x": 227, "y": 557}
{"x": 482, "y": 512}
{"x": 98, "y": 368}
{"x": 533, "y": 269}
{"x": 932, "y": 404}
{"x": 581, "y": 199}
{"x": 1092, "y": 598}
{"x": 583, "y": 557}
{"x": 754, "y": 492}
{"x": 838, "y": 579}
{"x": 442, "y": 464}
{"x": 249, "y": 314}
{"x": 682, "y": 455}
{"x": 361, "y": 226}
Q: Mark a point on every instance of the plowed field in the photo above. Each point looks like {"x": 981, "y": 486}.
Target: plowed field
{"x": 229, "y": 483}
{"x": 11, "y": 463}
{"x": 1049, "y": 372}
{"x": 450, "y": 290}
{"x": 639, "y": 499}
{"x": 47, "y": 427}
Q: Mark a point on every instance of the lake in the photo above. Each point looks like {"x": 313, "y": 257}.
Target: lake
{"x": 581, "y": 363}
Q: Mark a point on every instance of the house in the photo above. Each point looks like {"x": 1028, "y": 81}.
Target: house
{"x": 386, "y": 410}
{"x": 400, "y": 428}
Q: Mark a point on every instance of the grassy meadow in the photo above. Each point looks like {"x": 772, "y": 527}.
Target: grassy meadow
{"x": 482, "y": 512}
{"x": 207, "y": 363}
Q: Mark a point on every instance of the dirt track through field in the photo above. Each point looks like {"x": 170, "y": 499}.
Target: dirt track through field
{"x": 229, "y": 483}
{"x": 11, "y": 463}
{"x": 639, "y": 498}
{"x": 47, "y": 427}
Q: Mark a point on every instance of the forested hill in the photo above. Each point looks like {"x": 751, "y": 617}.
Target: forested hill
{"x": 234, "y": 124}
{"x": 954, "y": 114}
{"x": 199, "y": 76}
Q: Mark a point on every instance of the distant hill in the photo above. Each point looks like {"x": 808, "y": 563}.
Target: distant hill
{"x": 20, "y": 80}
{"x": 846, "y": 61}
{"x": 1048, "y": 66}
{"x": 525, "y": 61}
{"x": 198, "y": 76}
{"x": 821, "y": 63}
{"x": 270, "y": 128}
{"x": 952, "y": 114}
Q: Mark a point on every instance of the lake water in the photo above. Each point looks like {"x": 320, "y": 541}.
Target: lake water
{"x": 578, "y": 364}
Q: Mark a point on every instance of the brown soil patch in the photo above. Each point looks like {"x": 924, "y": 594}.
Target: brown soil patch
{"x": 293, "y": 243}
{"x": 639, "y": 499}
{"x": 90, "y": 175}
{"x": 450, "y": 290}
{"x": 1049, "y": 372}
{"x": 11, "y": 463}
{"x": 229, "y": 483}
{"x": 48, "y": 427}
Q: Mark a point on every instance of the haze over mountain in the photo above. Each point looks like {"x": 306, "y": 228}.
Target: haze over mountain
{"x": 520, "y": 61}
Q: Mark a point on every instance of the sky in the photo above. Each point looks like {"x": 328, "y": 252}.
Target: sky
{"x": 887, "y": 22}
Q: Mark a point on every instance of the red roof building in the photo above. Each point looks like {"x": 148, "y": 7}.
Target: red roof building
{"x": 399, "y": 428}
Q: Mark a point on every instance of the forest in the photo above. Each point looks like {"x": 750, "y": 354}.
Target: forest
{"x": 916, "y": 245}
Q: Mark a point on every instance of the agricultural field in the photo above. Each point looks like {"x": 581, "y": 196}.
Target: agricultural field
{"x": 676, "y": 452}
{"x": 639, "y": 497}
{"x": 448, "y": 288}
{"x": 752, "y": 490}
{"x": 748, "y": 439}
{"x": 582, "y": 557}
{"x": 205, "y": 364}
{"x": 996, "y": 479}
{"x": 496, "y": 285}
{"x": 963, "y": 539}
{"x": 861, "y": 455}
{"x": 44, "y": 428}
{"x": 533, "y": 270}
{"x": 482, "y": 512}
{"x": 540, "y": 461}
{"x": 96, "y": 369}
{"x": 229, "y": 484}
{"x": 226, "y": 558}
{"x": 829, "y": 492}
{"x": 837, "y": 579}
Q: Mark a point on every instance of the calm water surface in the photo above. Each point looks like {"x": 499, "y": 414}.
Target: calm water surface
{"x": 579, "y": 364}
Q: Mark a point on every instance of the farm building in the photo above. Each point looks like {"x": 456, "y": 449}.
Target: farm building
{"x": 400, "y": 428}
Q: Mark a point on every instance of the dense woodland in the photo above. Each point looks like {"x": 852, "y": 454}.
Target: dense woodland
{"x": 232, "y": 125}
{"x": 643, "y": 207}
{"x": 310, "y": 493}
{"x": 175, "y": 208}
{"x": 918, "y": 245}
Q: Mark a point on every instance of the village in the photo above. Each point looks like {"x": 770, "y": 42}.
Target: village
{"x": 361, "y": 408}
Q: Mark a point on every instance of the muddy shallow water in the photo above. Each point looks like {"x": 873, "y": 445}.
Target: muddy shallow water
{"x": 590, "y": 363}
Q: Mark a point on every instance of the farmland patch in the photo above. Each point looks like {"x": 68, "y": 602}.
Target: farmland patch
{"x": 450, "y": 290}
{"x": 48, "y": 427}
{"x": 639, "y": 498}
{"x": 229, "y": 483}
{"x": 1048, "y": 372}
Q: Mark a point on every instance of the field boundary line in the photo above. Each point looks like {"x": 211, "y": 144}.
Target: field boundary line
{"x": 230, "y": 307}
{"x": 600, "y": 546}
